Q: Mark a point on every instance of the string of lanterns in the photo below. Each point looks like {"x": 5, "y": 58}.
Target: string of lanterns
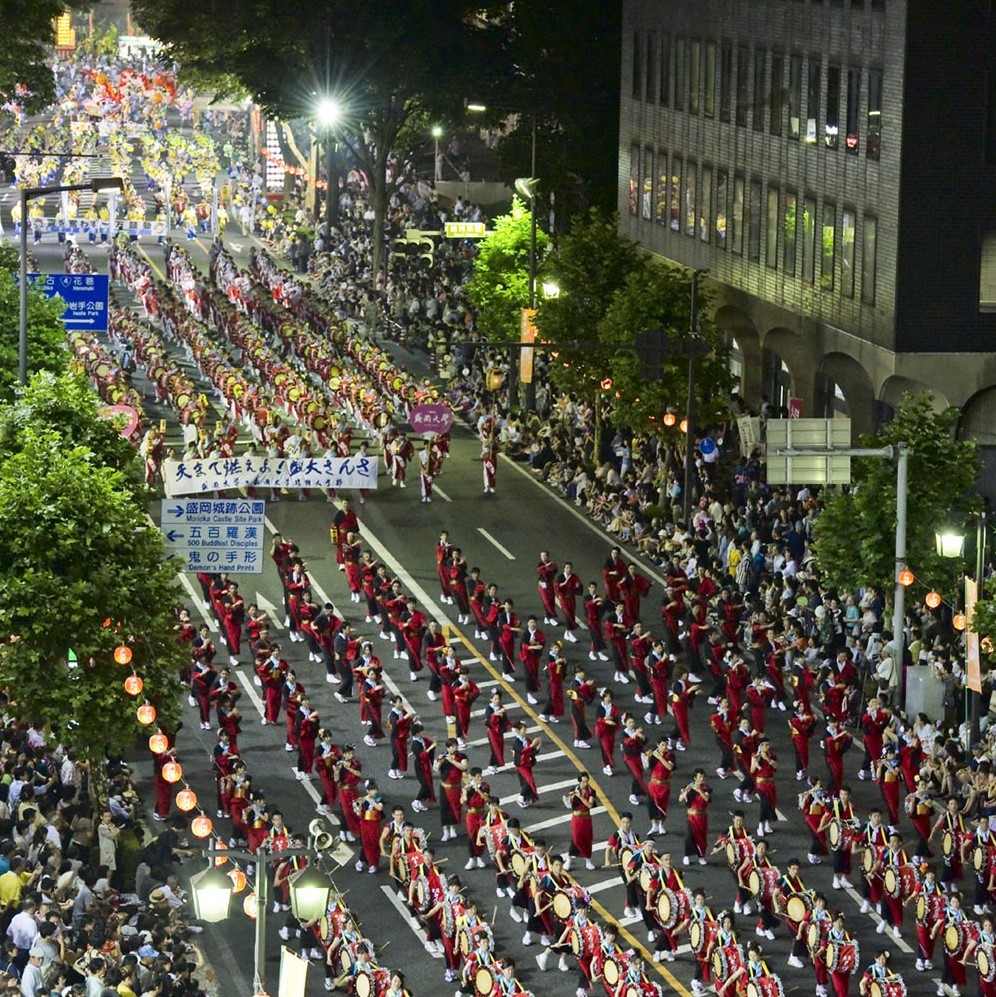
{"x": 294, "y": 171}
{"x": 172, "y": 772}
{"x": 933, "y": 599}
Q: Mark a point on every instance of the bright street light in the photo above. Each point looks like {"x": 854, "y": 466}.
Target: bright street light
{"x": 328, "y": 112}
{"x": 475, "y": 107}
{"x": 551, "y": 289}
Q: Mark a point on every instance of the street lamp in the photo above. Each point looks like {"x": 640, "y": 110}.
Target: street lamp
{"x": 309, "y": 895}
{"x": 29, "y": 194}
{"x": 329, "y": 114}
{"x": 437, "y": 164}
{"x": 950, "y": 542}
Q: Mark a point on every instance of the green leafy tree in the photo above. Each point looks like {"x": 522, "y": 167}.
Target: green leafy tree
{"x": 83, "y": 570}
{"x": 658, "y": 295}
{"x": 394, "y": 67}
{"x": 499, "y": 288}
{"x": 855, "y": 533}
{"x": 26, "y": 50}
{"x": 46, "y": 333}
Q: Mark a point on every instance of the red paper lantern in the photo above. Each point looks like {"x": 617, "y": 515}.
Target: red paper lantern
{"x": 683, "y": 425}
{"x": 158, "y": 743}
{"x": 201, "y": 826}
{"x": 933, "y": 599}
{"x": 238, "y": 878}
{"x": 249, "y": 905}
{"x": 172, "y": 772}
{"x": 220, "y": 846}
{"x": 606, "y": 383}
{"x": 959, "y": 621}
{"x": 906, "y": 578}
{"x": 122, "y": 654}
{"x": 133, "y": 685}
{"x": 186, "y": 800}
{"x": 146, "y": 713}
{"x": 669, "y": 419}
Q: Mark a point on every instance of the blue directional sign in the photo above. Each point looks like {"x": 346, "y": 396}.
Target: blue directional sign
{"x": 215, "y": 534}
{"x": 85, "y": 295}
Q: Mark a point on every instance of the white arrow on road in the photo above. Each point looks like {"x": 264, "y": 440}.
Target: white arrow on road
{"x": 276, "y": 615}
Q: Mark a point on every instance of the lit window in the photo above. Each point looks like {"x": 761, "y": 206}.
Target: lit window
{"x": 721, "y": 209}
{"x": 828, "y": 246}
{"x": 813, "y": 99}
{"x": 795, "y": 95}
{"x": 831, "y": 128}
{"x": 869, "y": 248}
{"x": 754, "y": 231}
{"x": 847, "y": 221}
{"x": 690, "y": 195}
{"x": 874, "y": 113}
{"x": 788, "y": 256}
{"x": 705, "y": 214}
{"x": 987, "y": 273}
{"x": 676, "y": 194}
{"x": 663, "y": 181}
{"x": 634, "y": 176}
{"x": 853, "y": 100}
{"x": 647, "y": 197}
{"x": 809, "y": 239}
{"x": 771, "y": 230}
{"x": 737, "y": 243}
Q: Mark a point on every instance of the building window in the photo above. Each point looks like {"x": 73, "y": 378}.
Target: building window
{"x": 831, "y": 128}
{"x": 647, "y": 198}
{"x": 637, "y": 66}
{"x": 737, "y": 242}
{"x": 754, "y": 231}
{"x": 663, "y": 181}
{"x": 743, "y": 85}
{"x": 675, "y": 209}
{"x": 853, "y": 99}
{"x": 874, "y": 113}
{"x": 828, "y": 246}
{"x": 808, "y": 239}
{"x": 634, "y": 176}
{"x": 795, "y": 94}
{"x": 991, "y": 119}
{"x": 721, "y": 209}
{"x": 694, "y": 72}
{"x": 709, "y": 101}
{"x": 847, "y": 221}
{"x": 878, "y": 4}
{"x": 987, "y": 273}
{"x": 788, "y": 257}
{"x": 651, "y": 89}
{"x": 813, "y": 99}
{"x": 760, "y": 66}
{"x": 691, "y": 192}
{"x": 776, "y": 98}
{"x": 705, "y": 214}
{"x": 725, "y": 81}
{"x": 679, "y": 74}
{"x": 771, "y": 230}
{"x": 869, "y": 240}
{"x": 665, "y": 83}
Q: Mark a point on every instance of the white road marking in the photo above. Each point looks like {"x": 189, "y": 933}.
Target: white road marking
{"x": 254, "y": 697}
{"x": 436, "y": 490}
{"x": 406, "y": 916}
{"x": 887, "y": 935}
{"x": 561, "y": 819}
{"x": 275, "y": 615}
{"x": 487, "y": 536}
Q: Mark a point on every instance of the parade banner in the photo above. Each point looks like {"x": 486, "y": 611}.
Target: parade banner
{"x": 193, "y": 477}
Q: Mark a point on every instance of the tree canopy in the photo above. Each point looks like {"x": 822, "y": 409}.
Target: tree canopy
{"x": 855, "y": 533}
{"x": 26, "y": 50}
{"x": 46, "y": 333}
{"x": 83, "y": 570}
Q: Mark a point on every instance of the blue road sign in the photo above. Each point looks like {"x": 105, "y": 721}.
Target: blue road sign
{"x": 85, "y": 295}
{"x": 215, "y": 534}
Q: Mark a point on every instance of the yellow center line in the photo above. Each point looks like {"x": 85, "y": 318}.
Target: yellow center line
{"x": 521, "y": 701}
{"x": 152, "y": 263}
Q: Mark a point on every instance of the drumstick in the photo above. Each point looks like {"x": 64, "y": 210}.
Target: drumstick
{"x": 494, "y": 915}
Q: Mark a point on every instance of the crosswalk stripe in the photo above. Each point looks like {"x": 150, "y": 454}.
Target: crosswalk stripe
{"x": 561, "y": 819}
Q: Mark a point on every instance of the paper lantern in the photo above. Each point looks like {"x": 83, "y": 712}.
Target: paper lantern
{"x": 238, "y": 878}
{"x": 249, "y": 905}
{"x": 683, "y": 425}
{"x": 220, "y": 846}
{"x": 959, "y": 621}
{"x": 172, "y": 772}
{"x": 122, "y": 654}
{"x": 158, "y": 743}
{"x": 606, "y": 383}
{"x": 146, "y": 714}
{"x": 201, "y": 826}
{"x": 669, "y": 419}
{"x": 933, "y": 599}
{"x": 133, "y": 685}
{"x": 906, "y": 578}
{"x": 186, "y": 800}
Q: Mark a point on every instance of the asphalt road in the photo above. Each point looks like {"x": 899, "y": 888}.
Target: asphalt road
{"x": 502, "y": 534}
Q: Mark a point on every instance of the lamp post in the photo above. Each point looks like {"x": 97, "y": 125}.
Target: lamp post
{"x": 29, "y": 194}
{"x": 437, "y": 163}
{"x": 309, "y": 895}
{"x": 329, "y": 114}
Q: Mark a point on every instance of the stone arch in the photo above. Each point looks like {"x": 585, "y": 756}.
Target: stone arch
{"x": 745, "y": 356}
{"x": 978, "y": 418}
{"x": 788, "y": 366}
{"x": 890, "y": 394}
{"x": 842, "y": 375}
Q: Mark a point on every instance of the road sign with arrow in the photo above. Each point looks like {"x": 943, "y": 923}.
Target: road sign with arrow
{"x": 215, "y": 534}
{"x": 85, "y": 295}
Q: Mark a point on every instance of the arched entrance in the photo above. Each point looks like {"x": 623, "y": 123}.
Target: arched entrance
{"x": 745, "y": 352}
{"x": 844, "y": 388}
{"x": 891, "y": 394}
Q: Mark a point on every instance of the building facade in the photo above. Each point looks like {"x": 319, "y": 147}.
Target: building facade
{"x": 832, "y": 164}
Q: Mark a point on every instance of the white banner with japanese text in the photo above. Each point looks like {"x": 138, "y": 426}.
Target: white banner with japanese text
{"x": 218, "y": 474}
